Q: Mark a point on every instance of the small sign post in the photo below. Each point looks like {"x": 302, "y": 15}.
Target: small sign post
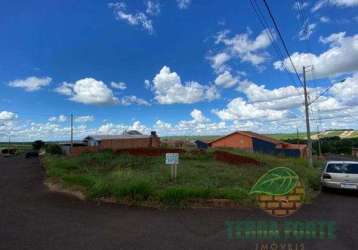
{"x": 172, "y": 160}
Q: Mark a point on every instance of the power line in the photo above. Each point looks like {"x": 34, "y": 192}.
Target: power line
{"x": 324, "y": 92}
{"x": 305, "y": 21}
{"x": 282, "y": 40}
{"x": 271, "y": 36}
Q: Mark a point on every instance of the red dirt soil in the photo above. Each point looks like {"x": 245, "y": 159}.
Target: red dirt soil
{"x": 235, "y": 159}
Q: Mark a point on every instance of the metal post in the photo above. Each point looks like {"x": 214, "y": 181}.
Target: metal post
{"x": 175, "y": 171}
{"x": 71, "y": 132}
{"x": 319, "y": 142}
{"x": 297, "y": 136}
{"x": 309, "y": 142}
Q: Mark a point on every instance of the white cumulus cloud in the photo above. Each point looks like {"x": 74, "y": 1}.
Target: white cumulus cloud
{"x": 218, "y": 61}
{"x": 84, "y": 118}
{"x": 198, "y": 116}
{"x": 60, "y": 118}
{"x": 346, "y": 91}
{"x": 239, "y": 109}
{"x": 119, "y": 85}
{"x": 246, "y": 49}
{"x": 306, "y": 31}
{"x": 153, "y": 8}
{"x": 129, "y": 100}
{"x": 65, "y": 89}
{"x": 7, "y": 116}
{"x": 341, "y": 57}
{"x": 169, "y": 89}
{"x": 88, "y": 91}
{"x": 136, "y": 19}
{"x": 31, "y": 83}
{"x": 339, "y": 3}
{"x": 226, "y": 80}
{"x": 183, "y": 4}
{"x": 324, "y": 19}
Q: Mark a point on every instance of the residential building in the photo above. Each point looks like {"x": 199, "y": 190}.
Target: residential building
{"x": 253, "y": 142}
{"x": 129, "y": 139}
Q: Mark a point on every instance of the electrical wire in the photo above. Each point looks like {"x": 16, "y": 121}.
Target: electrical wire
{"x": 282, "y": 40}
{"x": 266, "y": 26}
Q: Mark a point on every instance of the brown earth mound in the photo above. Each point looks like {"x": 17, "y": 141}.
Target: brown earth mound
{"x": 235, "y": 159}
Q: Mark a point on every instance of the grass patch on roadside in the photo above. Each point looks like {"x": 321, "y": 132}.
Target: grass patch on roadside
{"x": 147, "y": 179}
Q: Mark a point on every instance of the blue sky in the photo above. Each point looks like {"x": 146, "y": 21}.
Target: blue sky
{"x": 177, "y": 67}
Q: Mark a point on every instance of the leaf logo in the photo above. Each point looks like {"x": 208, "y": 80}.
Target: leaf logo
{"x": 277, "y": 181}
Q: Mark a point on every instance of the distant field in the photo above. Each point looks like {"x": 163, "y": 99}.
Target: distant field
{"x": 288, "y": 136}
{"x": 278, "y": 136}
{"x": 330, "y": 133}
{"x": 21, "y": 147}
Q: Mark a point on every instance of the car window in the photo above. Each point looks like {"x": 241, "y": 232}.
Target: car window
{"x": 352, "y": 169}
{"x": 342, "y": 168}
{"x": 334, "y": 168}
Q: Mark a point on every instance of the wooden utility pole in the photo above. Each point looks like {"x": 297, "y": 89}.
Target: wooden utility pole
{"x": 309, "y": 142}
{"x": 297, "y": 136}
{"x": 71, "y": 132}
{"x": 319, "y": 142}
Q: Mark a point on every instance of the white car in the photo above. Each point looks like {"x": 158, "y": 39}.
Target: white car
{"x": 340, "y": 174}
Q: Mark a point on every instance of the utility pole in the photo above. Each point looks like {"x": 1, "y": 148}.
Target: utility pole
{"x": 309, "y": 142}
{"x": 319, "y": 142}
{"x": 297, "y": 136}
{"x": 71, "y": 132}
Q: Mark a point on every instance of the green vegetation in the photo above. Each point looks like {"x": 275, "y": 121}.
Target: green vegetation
{"x": 20, "y": 147}
{"x": 37, "y": 145}
{"x": 349, "y": 134}
{"x": 53, "y": 149}
{"x": 286, "y": 136}
{"x": 146, "y": 180}
{"x": 332, "y": 145}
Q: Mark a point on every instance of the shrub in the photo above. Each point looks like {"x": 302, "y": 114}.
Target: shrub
{"x": 101, "y": 188}
{"x": 54, "y": 149}
{"x": 37, "y": 145}
{"x": 135, "y": 190}
{"x": 81, "y": 180}
{"x": 131, "y": 184}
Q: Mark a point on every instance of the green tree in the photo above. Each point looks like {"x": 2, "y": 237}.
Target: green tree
{"x": 37, "y": 145}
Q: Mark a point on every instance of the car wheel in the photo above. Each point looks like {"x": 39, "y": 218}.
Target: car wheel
{"x": 324, "y": 189}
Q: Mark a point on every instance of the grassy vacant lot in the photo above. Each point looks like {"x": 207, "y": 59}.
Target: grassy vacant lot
{"x": 146, "y": 180}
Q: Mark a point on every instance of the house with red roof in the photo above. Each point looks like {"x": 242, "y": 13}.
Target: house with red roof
{"x": 253, "y": 142}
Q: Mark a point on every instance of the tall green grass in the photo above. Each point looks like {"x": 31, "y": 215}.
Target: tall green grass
{"x": 139, "y": 179}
